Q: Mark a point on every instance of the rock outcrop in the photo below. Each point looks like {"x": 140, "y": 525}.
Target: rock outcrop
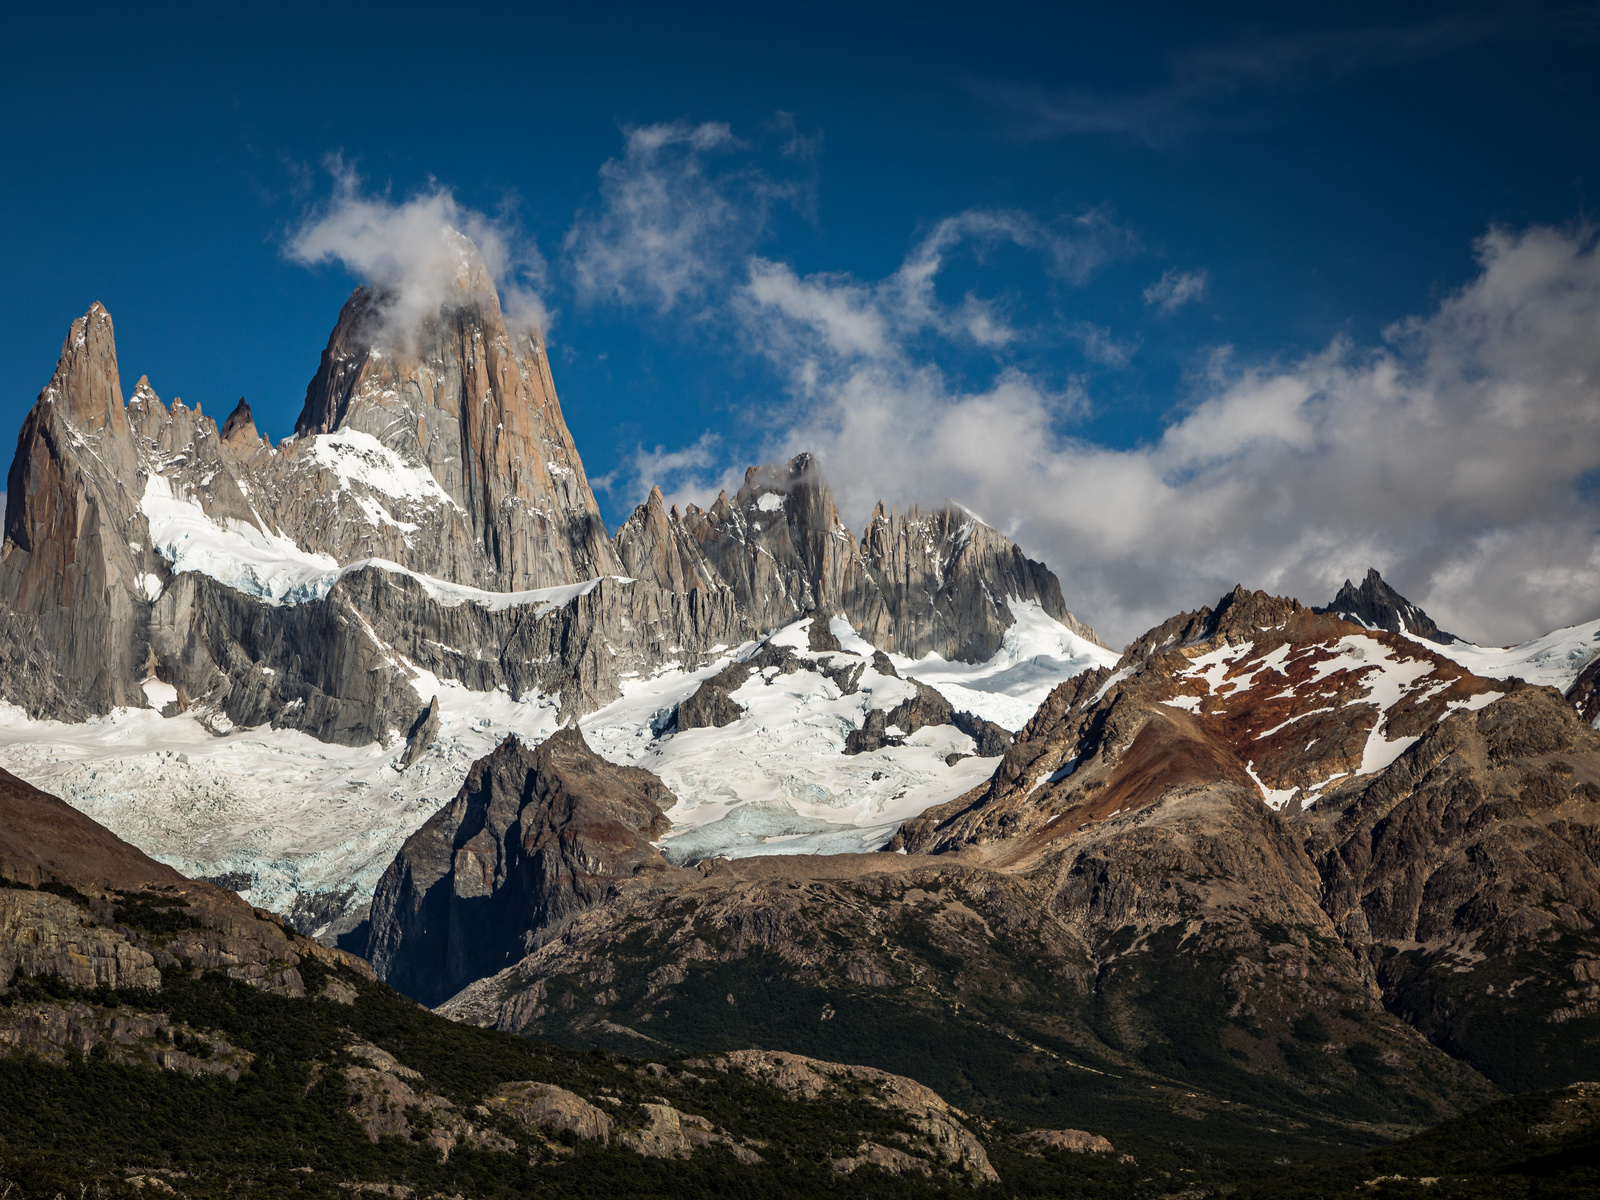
{"x": 1467, "y": 876}
{"x": 918, "y": 583}
{"x": 533, "y": 838}
{"x": 471, "y": 401}
{"x": 1376, "y": 605}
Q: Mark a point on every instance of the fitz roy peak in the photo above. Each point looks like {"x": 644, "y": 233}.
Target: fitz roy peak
{"x": 472, "y": 402}
{"x": 429, "y": 520}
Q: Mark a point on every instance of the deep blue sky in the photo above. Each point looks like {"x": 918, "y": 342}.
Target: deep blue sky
{"x": 1326, "y": 165}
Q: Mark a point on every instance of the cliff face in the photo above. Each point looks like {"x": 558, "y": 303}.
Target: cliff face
{"x": 473, "y": 402}
{"x": 918, "y": 583}
{"x": 533, "y": 837}
{"x": 73, "y": 565}
{"x": 1467, "y": 877}
{"x": 1249, "y": 860}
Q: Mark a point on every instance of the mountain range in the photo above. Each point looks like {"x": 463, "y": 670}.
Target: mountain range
{"x": 386, "y": 710}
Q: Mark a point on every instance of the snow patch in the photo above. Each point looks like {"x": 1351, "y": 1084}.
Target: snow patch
{"x": 1554, "y": 660}
{"x": 265, "y": 565}
{"x": 360, "y": 458}
{"x": 1037, "y": 654}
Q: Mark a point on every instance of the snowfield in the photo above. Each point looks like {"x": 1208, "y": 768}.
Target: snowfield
{"x": 283, "y": 818}
{"x": 1554, "y": 660}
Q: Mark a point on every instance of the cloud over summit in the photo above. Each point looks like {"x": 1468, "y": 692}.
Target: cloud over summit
{"x": 1457, "y": 453}
{"x": 412, "y": 251}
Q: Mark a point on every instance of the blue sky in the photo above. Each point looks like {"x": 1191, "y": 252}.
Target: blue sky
{"x": 1065, "y": 263}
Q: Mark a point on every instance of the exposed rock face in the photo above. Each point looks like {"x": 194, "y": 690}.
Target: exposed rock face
{"x": 153, "y": 558}
{"x": 42, "y": 934}
{"x": 59, "y": 1031}
{"x": 941, "y": 579}
{"x": 72, "y": 563}
{"x": 1074, "y": 1140}
{"x": 1376, "y": 605}
{"x": 1584, "y": 693}
{"x": 389, "y": 1098}
{"x": 937, "y": 1121}
{"x": 533, "y": 837}
{"x": 1468, "y": 877}
{"x": 422, "y": 733}
{"x": 918, "y": 582}
{"x": 473, "y": 402}
{"x": 545, "y": 1106}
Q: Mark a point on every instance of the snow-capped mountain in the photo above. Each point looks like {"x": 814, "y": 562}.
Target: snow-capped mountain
{"x": 421, "y": 568}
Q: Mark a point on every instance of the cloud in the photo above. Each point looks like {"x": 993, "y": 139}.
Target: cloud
{"x": 671, "y": 224}
{"x": 416, "y": 253}
{"x": 816, "y": 322}
{"x": 1457, "y": 456}
{"x": 1175, "y": 288}
{"x": 1240, "y": 84}
{"x": 1100, "y": 347}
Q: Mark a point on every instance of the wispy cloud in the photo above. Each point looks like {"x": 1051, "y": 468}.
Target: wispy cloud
{"x": 679, "y": 210}
{"x": 1240, "y": 84}
{"x": 1176, "y": 288}
{"x": 808, "y": 320}
{"x": 412, "y": 252}
{"x": 1452, "y": 456}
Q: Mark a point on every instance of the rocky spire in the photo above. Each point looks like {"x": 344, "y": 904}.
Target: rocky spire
{"x": 1378, "y": 606}
{"x": 473, "y": 401}
{"x": 652, "y": 545}
{"x": 919, "y": 582}
{"x": 240, "y": 425}
{"x": 69, "y": 567}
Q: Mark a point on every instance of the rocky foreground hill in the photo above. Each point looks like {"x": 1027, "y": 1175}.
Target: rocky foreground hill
{"x": 160, "y": 1037}
{"x": 1271, "y": 871}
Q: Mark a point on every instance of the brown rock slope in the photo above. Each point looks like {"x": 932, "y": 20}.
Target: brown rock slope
{"x": 81, "y": 910}
{"x": 125, "y": 989}
{"x": 101, "y": 911}
{"x": 1226, "y": 875}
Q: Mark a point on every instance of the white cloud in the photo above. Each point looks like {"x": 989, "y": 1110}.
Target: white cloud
{"x": 1451, "y": 457}
{"x": 670, "y": 225}
{"x": 1100, "y": 346}
{"x": 1175, "y": 288}
{"x": 417, "y": 252}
